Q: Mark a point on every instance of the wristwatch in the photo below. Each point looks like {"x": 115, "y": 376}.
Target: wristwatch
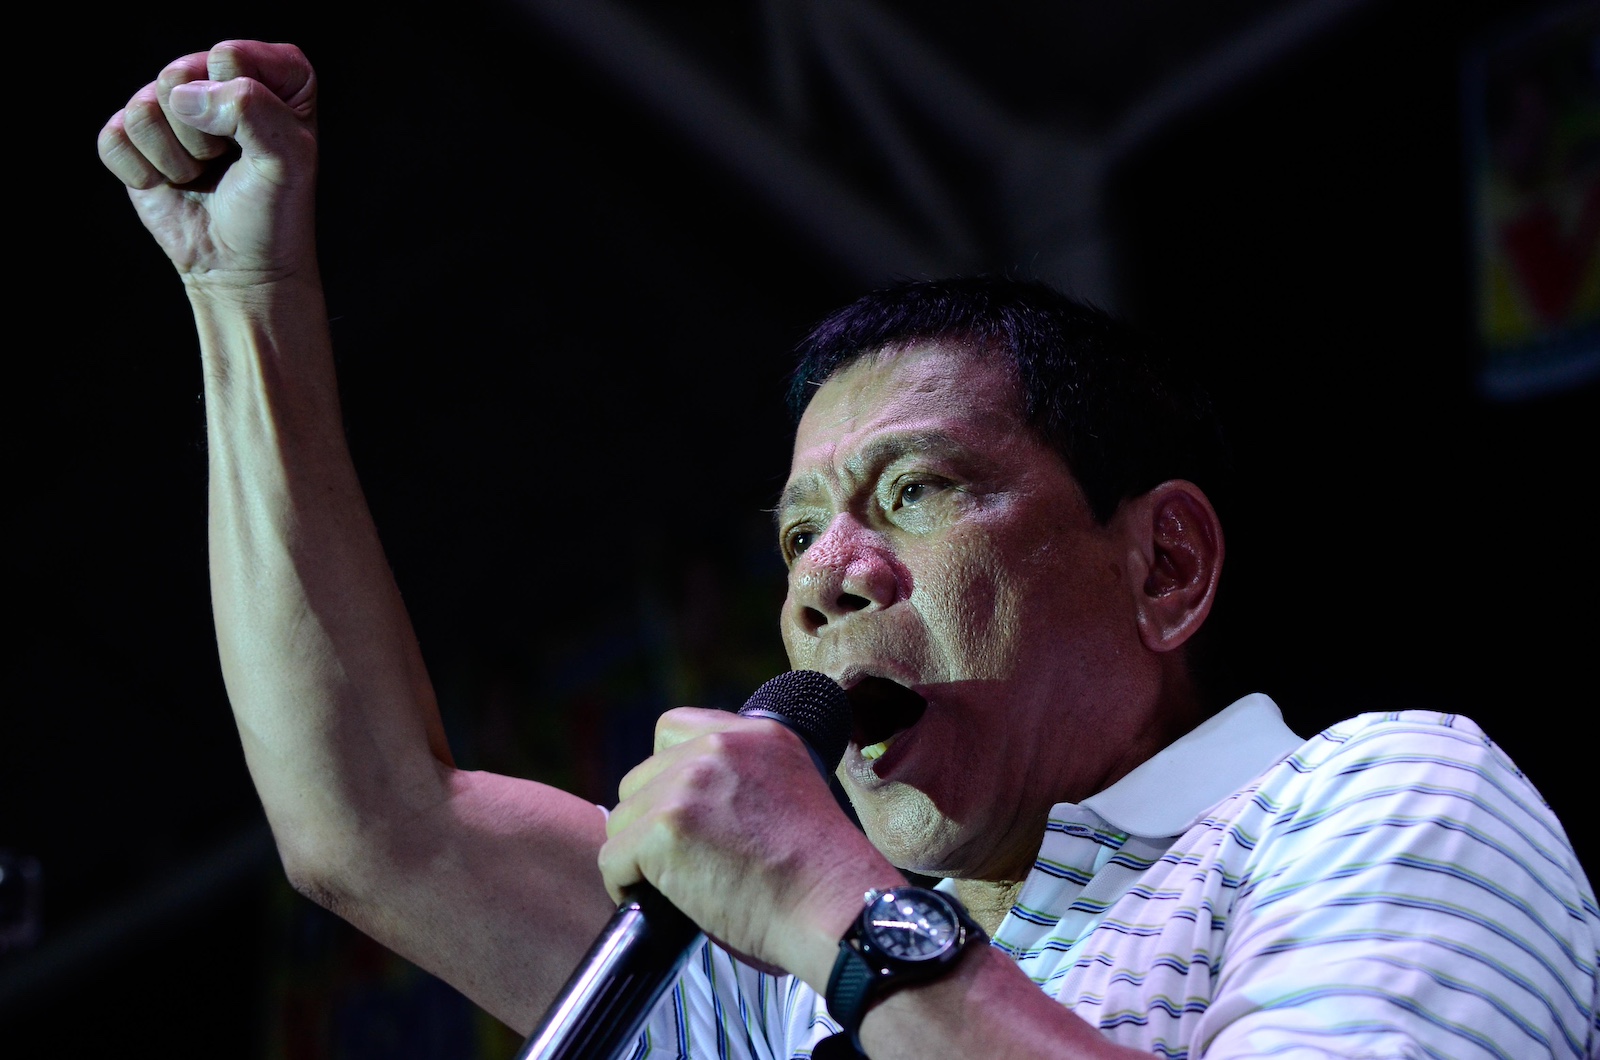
{"x": 903, "y": 936}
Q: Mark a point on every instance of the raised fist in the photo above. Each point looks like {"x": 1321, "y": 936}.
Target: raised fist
{"x": 219, "y": 156}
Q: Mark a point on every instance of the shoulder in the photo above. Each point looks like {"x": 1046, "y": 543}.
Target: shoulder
{"x": 1410, "y": 761}
{"x": 1421, "y": 787}
{"x": 1401, "y": 776}
{"x": 1400, "y": 865}
{"x": 1420, "y": 736}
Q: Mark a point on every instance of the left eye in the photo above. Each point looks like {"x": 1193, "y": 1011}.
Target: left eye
{"x": 800, "y": 540}
{"x": 914, "y": 492}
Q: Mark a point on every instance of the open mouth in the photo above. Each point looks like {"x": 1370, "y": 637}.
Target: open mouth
{"x": 882, "y": 710}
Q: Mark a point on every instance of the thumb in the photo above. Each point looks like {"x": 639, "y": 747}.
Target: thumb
{"x": 282, "y": 68}
{"x": 244, "y": 110}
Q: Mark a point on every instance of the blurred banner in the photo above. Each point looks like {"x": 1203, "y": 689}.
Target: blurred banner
{"x": 1532, "y": 102}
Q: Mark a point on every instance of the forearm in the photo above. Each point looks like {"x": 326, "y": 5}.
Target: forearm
{"x": 334, "y": 709}
{"x": 984, "y": 1007}
{"x": 488, "y": 881}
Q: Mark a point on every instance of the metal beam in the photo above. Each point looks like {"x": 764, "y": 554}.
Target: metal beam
{"x": 843, "y": 224}
{"x": 1247, "y": 54}
{"x": 1048, "y": 186}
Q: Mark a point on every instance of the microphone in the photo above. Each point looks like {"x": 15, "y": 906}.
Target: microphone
{"x": 603, "y": 1008}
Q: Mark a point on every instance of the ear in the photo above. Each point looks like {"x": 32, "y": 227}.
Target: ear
{"x": 1175, "y": 561}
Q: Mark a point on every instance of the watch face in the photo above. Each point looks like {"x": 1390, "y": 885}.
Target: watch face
{"x": 912, "y": 926}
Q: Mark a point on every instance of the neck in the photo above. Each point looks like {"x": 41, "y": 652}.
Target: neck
{"x": 988, "y": 901}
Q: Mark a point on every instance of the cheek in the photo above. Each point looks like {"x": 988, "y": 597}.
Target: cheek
{"x": 999, "y": 601}
{"x": 972, "y": 608}
{"x": 1080, "y": 613}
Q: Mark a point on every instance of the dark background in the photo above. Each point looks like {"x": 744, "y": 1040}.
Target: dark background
{"x": 562, "y": 315}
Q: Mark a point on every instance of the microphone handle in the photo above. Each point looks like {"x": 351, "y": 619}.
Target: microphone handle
{"x": 604, "y": 1006}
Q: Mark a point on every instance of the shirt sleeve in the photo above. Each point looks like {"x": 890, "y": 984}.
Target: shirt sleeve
{"x": 1410, "y": 896}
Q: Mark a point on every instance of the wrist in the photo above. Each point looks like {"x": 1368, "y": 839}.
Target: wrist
{"x": 252, "y": 290}
{"x": 272, "y": 318}
{"x": 902, "y": 937}
{"x": 833, "y": 909}
{"x": 266, "y": 343}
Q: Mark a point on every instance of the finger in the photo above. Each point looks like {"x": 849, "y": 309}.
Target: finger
{"x": 641, "y": 775}
{"x": 645, "y": 818}
{"x": 627, "y": 812}
{"x": 618, "y": 867}
{"x": 673, "y": 729}
{"x": 685, "y": 723}
{"x": 126, "y": 162}
{"x": 282, "y": 68}
{"x": 181, "y": 71}
{"x": 149, "y": 132}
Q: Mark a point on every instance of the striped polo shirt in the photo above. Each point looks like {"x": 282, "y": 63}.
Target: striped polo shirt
{"x": 1393, "y": 887}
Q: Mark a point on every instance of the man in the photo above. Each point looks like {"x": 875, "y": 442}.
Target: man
{"x": 1009, "y": 576}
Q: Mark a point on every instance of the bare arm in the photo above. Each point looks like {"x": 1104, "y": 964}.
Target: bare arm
{"x": 488, "y": 881}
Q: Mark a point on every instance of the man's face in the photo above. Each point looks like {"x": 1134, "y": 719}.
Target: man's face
{"x": 936, "y": 545}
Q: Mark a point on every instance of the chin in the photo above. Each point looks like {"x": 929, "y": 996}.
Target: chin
{"x": 909, "y": 830}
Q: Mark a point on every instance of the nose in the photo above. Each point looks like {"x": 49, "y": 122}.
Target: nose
{"x": 848, "y": 570}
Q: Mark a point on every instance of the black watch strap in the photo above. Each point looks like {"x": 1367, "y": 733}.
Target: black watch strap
{"x": 857, "y": 981}
{"x": 848, "y": 989}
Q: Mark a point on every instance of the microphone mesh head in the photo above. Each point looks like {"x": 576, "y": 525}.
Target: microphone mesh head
{"x": 810, "y": 703}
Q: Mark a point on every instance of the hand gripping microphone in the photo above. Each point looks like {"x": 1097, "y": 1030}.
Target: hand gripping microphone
{"x": 602, "y": 1009}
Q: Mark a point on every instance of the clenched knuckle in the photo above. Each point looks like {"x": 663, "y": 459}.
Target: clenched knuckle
{"x": 247, "y": 97}
{"x": 679, "y": 819}
{"x": 705, "y": 771}
{"x": 175, "y": 73}
{"x": 112, "y": 137}
{"x": 141, "y": 114}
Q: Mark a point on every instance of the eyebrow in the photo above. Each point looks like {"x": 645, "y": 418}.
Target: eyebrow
{"x": 881, "y": 451}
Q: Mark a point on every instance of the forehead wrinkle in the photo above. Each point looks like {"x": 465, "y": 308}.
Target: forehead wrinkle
{"x": 886, "y": 448}
{"x": 878, "y": 452}
{"x": 929, "y": 397}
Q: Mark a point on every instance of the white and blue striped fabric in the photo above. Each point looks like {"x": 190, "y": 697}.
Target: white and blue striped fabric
{"x": 1393, "y": 887}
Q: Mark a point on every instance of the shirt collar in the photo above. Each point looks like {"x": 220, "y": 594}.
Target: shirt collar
{"x": 1170, "y": 792}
